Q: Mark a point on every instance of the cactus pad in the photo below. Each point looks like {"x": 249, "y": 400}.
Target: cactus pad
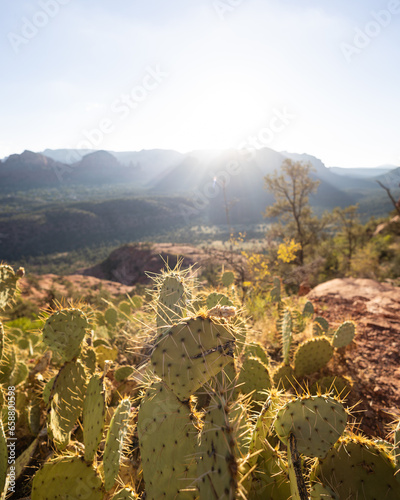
{"x": 191, "y": 352}
{"x": 172, "y": 300}
{"x": 311, "y": 355}
{"x": 308, "y": 310}
{"x": 111, "y": 317}
{"x": 254, "y": 377}
{"x": 94, "y": 409}
{"x": 322, "y": 323}
{"x": 123, "y": 372}
{"x": 340, "y": 386}
{"x": 66, "y": 401}
{"x": 217, "y": 465}
{"x": 255, "y": 349}
{"x": 276, "y": 294}
{"x": 358, "y": 468}
{"x": 8, "y": 284}
{"x": 284, "y": 377}
{"x": 218, "y": 299}
{"x": 67, "y": 479}
{"x": 317, "y": 330}
{"x": 125, "y": 494}
{"x": 114, "y": 442}
{"x": 317, "y": 422}
{"x": 168, "y": 440}
{"x": 64, "y": 332}
{"x": 344, "y": 335}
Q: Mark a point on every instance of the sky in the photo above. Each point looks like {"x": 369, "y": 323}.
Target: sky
{"x": 308, "y": 76}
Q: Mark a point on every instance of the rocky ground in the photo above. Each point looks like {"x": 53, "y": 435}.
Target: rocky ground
{"x": 373, "y": 362}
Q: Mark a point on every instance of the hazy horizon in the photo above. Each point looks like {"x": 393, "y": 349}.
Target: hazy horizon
{"x": 319, "y": 78}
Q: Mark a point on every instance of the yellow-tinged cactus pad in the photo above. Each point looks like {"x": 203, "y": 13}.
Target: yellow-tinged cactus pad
{"x": 94, "y": 410}
{"x": 344, "y": 335}
{"x": 64, "y": 332}
{"x": 69, "y": 478}
{"x": 105, "y": 353}
{"x": 66, "y": 401}
{"x": 191, "y": 352}
{"x": 116, "y": 436}
{"x": 168, "y": 440}
{"x": 357, "y": 468}
{"x": 316, "y": 421}
{"x": 311, "y": 355}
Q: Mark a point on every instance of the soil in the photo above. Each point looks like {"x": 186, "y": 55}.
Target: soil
{"x": 373, "y": 360}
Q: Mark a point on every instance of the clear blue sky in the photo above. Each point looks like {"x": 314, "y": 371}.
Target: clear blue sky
{"x": 315, "y": 76}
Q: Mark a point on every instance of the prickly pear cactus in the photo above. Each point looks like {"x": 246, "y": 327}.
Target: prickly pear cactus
{"x": 67, "y": 478}
{"x": 114, "y": 442}
{"x": 94, "y": 409}
{"x": 172, "y": 300}
{"x": 125, "y": 494}
{"x": 256, "y": 350}
{"x": 191, "y": 353}
{"x": 340, "y": 386}
{"x": 317, "y": 422}
{"x": 276, "y": 292}
{"x": 357, "y": 468}
{"x": 254, "y": 378}
{"x": 66, "y": 402}
{"x": 322, "y": 323}
{"x": 168, "y": 440}
{"x": 344, "y": 335}
{"x": 284, "y": 377}
{"x": 308, "y": 310}
{"x": 8, "y": 284}
{"x": 64, "y": 332}
{"x": 217, "y": 464}
{"x": 218, "y": 299}
{"x": 311, "y": 355}
{"x": 123, "y": 372}
{"x": 297, "y": 483}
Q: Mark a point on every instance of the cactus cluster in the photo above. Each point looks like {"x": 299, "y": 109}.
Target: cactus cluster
{"x": 213, "y": 418}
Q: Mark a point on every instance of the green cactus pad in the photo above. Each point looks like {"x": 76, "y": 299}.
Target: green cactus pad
{"x": 344, "y": 335}
{"x": 256, "y": 350}
{"x": 254, "y": 377}
{"x": 308, "y": 310}
{"x": 168, "y": 441}
{"x": 19, "y": 374}
{"x": 125, "y": 494}
{"x": 66, "y": 401}
{"x": 297, "y": 483}
{"x": 287, "y": 335}
{"x": 172, "y": 300}
{"x": 340, "y": 386}
{"x": 8, "y": 284}
{"x": 3, "y": 457}
{"x": 311, "y": 355}
{"x": 284, "y": 377}
{"x": 322, "y": 323}
{"x": 116, "y": 436}
{"x": 64, "y": 332}
{"x": 316, "y": 421}
{"x": 94, "y": 410}
{"x": 123, "y": 372}
{"x": 191, "y": 353}
{"x": 317, "y": 330}
{"x": 218, "y": 299}
{"x": 88, "y": 358}
{"x": 125, "y": 308}
{"x": 69, "y": 478}
{"x": 228, "y": 278}
{"x": 111, "y": 317}
{"x": 358, "y": 468}
{"x": 217, "y": 464}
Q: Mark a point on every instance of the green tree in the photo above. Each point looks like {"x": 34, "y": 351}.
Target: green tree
{"x": 291, "y": 188}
